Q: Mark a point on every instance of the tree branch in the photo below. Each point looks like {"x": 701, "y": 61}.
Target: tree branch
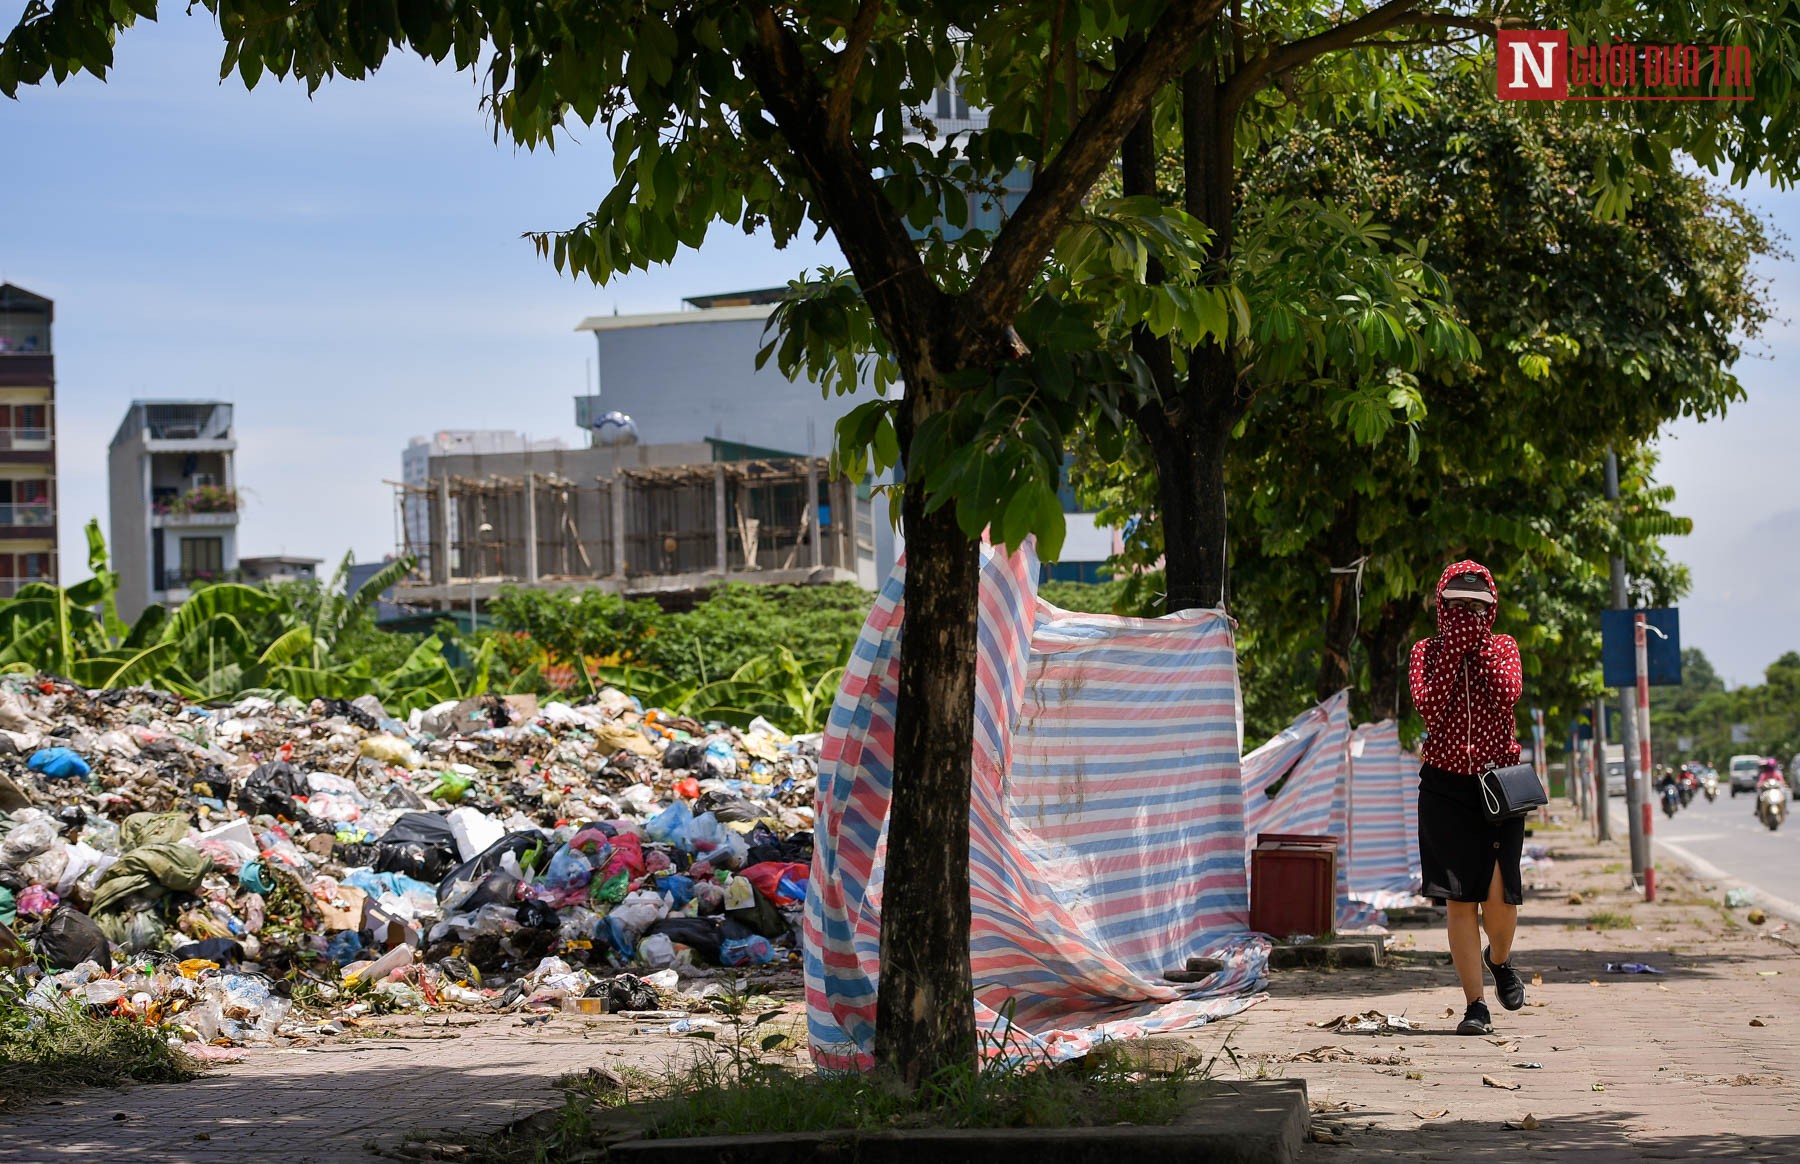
{"x": 850, "y": 62}
{"x": 900, "y": 292}
{"x": 1012, "y": 262}
{"x": 1246, "y": 81}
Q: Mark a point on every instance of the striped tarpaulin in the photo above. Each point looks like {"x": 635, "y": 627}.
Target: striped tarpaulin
{"x": 1307, "y": 765}
{"x": 1384, "y": 827}
{"x": 1105, "y": 826}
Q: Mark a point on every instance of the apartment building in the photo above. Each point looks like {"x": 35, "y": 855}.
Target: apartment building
{"x": 173, "y": 501}
{"x": 28, "y": 515}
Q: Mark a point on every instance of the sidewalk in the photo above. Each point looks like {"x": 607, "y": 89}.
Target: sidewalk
{"x": 1633, "y": 1067}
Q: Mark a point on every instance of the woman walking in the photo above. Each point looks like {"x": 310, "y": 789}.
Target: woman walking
{"x": 1465, "y": 681}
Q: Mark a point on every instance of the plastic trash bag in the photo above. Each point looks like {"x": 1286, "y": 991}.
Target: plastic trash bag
{"x": 27, "y": 841}
{"x": 59, "y": 764}
{"x": 754, "y": 950}
{"x": 656, "y": 951}
{"x": 69, "y": 937}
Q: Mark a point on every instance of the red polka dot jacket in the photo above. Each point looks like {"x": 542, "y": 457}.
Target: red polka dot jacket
{"x": 1465, "y": 681}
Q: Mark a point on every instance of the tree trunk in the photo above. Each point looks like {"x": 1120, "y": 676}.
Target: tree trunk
{"x": 1189, "y": 446}
{"x": 925, "y": 1017}
{"x": 1342, "y": 606}
{"x": 1387, "y": 644}
{"x": 1189, "y": 434}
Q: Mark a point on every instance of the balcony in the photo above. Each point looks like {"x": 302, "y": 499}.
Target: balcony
{"x": 27, "y": 515}
{"x": 24, "y": 439}
{"x": 201, "y": 505}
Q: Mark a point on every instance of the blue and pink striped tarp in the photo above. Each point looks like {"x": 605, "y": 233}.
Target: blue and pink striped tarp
{"x": 1307, "y": 768}
{"x": 1106, "y": 829}
{"x": 1384, "y": 826}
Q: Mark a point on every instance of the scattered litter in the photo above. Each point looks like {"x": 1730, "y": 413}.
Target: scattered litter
{"x": 1756, "y": 1022}
{"x": 1329, "y": 1105}
{"x": 1368, "y": 1023}
{"x": 1490, "y": 1081}
{"x": 1537, "y": 979}
{"x": 1738, "y": 898}
{"x": 1767, "y": 973}
{"x": 1756, "y": 917}
{"x": 1529, "y": 1066}
{"x": 1631, "y": 968}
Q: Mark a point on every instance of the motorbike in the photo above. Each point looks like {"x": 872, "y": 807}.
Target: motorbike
{"x": 1771, "y": 807}
{"x": 1671, "y": 799}
{"x": 1710, "y": 784}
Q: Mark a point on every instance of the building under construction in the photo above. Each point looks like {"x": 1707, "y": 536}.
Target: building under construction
{"x": 640, "y": 520}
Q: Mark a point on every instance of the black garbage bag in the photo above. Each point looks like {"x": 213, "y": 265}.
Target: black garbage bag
{"x": 626, "y": 992}
{"x": 351, "y": 712}
{"x": 271, "y": 789}
{"x": 764, "y": 845}
{"x": 703, "y": 935}
{"x": 681, "y": 754}
{"x": 535, "y": 915}
{"x": 68, "y": 938}
{"x": 480, "y": 880}
{"x": 419, "y": 845}
{"x": 224, "y": 951}
{"x": 728, "y": 808}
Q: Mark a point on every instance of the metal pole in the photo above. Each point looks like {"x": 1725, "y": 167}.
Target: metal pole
{"x": 1637, "y": 796}
{"x": 1643, "y": 711}
{"x": 1602, "y": 801}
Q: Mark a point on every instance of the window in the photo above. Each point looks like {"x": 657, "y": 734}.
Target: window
{"x": 28, "y": 422}
{"x": 202, "y": 558}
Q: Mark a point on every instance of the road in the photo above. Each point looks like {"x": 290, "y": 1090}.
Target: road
{"x": 1726, "y": 835}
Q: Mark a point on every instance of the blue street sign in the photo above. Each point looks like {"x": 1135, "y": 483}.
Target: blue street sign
{"x": 1618, "y": 649}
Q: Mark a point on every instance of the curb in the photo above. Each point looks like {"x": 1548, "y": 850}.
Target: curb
{"x": 1253, "y": 1122}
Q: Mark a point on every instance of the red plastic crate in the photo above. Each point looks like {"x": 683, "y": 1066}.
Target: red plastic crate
{"x": 1293, "y": 884}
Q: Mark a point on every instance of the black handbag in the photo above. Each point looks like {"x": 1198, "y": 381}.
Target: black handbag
{"x": 1511, "y": 791}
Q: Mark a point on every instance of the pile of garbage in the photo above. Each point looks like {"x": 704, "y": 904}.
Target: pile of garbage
{"x": 257, "y": 871}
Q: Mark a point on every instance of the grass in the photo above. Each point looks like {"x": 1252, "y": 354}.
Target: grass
{"x": 1609, "y": 919}
{"x": 733, "y": 1087}
{"x": 46, "y": 1052}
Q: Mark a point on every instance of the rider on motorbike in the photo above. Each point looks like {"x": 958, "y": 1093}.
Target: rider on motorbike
{"x": 1768, "y": 775}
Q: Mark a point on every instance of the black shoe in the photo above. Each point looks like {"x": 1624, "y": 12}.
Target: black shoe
{"x": 1507, "y": 983}
{"x": 1476, "y": 1020}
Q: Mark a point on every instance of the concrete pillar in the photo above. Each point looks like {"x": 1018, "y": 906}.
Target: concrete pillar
{"x": 440, "y": 533}
{"x": 618, "y": 524}
{"x": 722, "y": 544}
{"x": 812, "y": 508}
{"x": 531, "y": 532}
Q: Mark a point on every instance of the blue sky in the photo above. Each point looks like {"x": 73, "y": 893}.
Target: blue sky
{"x": 348, "y": 270}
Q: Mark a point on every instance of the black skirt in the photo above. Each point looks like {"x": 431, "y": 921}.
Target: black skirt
{"x": 1458, "y": 847}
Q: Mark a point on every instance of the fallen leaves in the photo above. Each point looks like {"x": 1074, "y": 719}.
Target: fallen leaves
{"x": 1503, "y": 1085}
{"x": 1440, "y": 1113}
{"x": 1537, "y": 979}
{"x": 1528, "y": 1124}
{"x": 1756, "y": 1022}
